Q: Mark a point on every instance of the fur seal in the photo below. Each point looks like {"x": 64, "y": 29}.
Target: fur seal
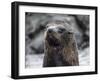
{"x": 60, "y": 45}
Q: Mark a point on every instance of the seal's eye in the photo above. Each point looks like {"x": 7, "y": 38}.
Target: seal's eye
{"x": 61, "y": 30}
{"x": 70, "y": 32}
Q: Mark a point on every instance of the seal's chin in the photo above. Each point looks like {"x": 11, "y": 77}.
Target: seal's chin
{"x": 53, "y": 41}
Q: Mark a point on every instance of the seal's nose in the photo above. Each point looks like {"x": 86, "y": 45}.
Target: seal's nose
{"x": 50, "y": 30}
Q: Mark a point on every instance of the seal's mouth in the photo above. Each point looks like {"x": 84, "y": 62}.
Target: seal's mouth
{"x": 53, "y": 41}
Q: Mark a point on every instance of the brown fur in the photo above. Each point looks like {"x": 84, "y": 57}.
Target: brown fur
{"x": 60, "y": 46}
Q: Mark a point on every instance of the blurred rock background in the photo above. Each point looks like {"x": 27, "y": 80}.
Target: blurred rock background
{"x": 35, "y": 26}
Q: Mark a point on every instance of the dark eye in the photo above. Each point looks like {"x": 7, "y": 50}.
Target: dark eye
{"x": 61, "y": 30}
{"x": 70, "y": 33}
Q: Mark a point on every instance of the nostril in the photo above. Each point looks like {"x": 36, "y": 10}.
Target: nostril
{"x": 50, "y": 30}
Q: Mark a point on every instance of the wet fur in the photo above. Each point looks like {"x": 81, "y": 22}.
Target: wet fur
{"x": 60, "y": 52}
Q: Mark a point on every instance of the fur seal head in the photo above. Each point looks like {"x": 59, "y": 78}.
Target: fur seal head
{"x": 58, "y": 34}
{"x": 60, "y": 45}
